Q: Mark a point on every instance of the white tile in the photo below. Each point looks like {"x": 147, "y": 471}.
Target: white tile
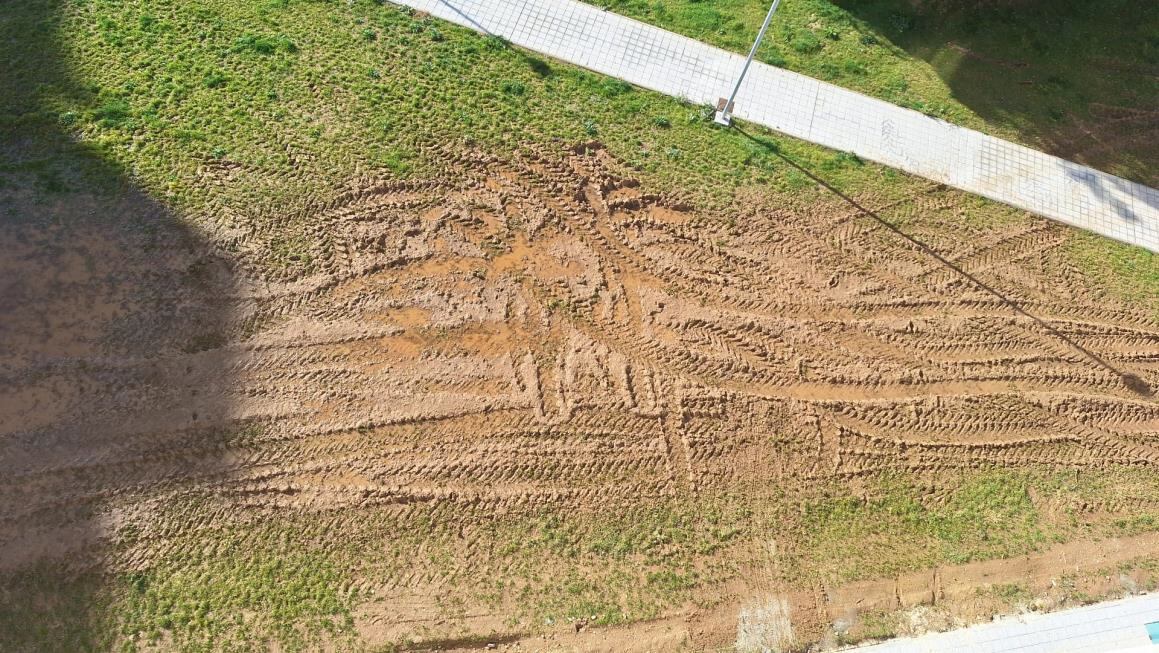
{"x": 818, "y": 112}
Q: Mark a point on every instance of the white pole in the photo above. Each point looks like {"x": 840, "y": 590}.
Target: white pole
{"x": 724, "y": 115}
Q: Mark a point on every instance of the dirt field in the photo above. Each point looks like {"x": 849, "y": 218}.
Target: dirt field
{"x": 437, "y": 369}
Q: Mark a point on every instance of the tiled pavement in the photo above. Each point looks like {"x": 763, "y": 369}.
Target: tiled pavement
{"x": 812, "y": 110}
{"x": 1111, "y": 627}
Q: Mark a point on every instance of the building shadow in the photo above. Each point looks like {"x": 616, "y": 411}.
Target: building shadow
{"x": 1130, "y": 381}
{"x": 1072, "y": 77}
{"x": 113, "y": 377}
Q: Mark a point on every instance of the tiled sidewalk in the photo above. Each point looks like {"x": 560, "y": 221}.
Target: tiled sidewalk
{"x": 812, "y": 110}
{"x": 1112, "y": 627}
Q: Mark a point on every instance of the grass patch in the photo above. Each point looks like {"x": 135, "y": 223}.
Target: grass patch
{"x": 1130, "y": 272}
{"x": 304, "y": 96}
{"x": 621, "y": 566}
{"x": 1034, "y": 72}
{"x": 304, "y": 99}
{"x": 231, "y": 588}
{"x": 300, "y": 96}
{"x": 48, "y": 608}
{"x": 237, "y": 591}
{"x": 987, "y": 516}
{"x": 999, "y": 513}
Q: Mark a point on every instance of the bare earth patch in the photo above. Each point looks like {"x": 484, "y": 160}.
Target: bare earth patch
{"x": 513, "y": 338}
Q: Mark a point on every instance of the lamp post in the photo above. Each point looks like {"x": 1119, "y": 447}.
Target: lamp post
{"x": 724, "y": 111}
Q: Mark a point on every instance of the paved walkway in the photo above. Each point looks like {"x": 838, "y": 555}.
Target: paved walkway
{"x": 812, "y": 110}
{"x": 1115, "y": 626}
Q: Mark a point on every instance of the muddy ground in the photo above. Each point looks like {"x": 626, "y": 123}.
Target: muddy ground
{"x": 540, "y": 331}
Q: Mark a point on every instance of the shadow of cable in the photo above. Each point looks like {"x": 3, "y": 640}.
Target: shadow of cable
{"x": 1131, "y": 382}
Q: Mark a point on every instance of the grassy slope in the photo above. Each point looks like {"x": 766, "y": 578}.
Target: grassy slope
{"x": 1069, "y": 77}
{"x": 305, "y": 95}
{"x": 294, "y": 580}
{"x": 1030, "y": 73}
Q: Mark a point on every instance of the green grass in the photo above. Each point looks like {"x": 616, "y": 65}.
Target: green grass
{"x": 230, "y": 587}
{"x": 288, "y": 581}
{"x": 232, "y": 591}
{"x": 299, "y": 98}
{"x": 1009, "y": 592}
{"x": 616, "y": 567}
{"x": 295, "y": 93}
{"x": 998, "y": 513}
{"x": 1037, "y": 72}
{"x": 328, "y": 97}
{"x": 987, "y": 516}
{"x": 49, "y": 608}
{"x": 303, "y": 96}
{"x": 1132, "y": 272}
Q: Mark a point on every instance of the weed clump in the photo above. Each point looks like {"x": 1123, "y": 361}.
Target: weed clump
{"x": 513, "y": 88}
{"x": 113, "y": 113}
{"x": 263, "y": 45}
{"x": 805, "y": 42}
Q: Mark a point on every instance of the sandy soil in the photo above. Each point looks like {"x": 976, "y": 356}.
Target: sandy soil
{"x": 511, "y": 334}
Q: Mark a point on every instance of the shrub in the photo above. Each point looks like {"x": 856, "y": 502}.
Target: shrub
{"x": 842, "y": 160}
{"x": 854, "y": 67}
{"x": 263, "y": 45}
{"x": 612, "y": 87}
{"x": 215, "y": 79}
{"x": 113, "y": 113}
{"x": 806, "y": 42}
{"x": 513, "y": 88}
{"x": 496, "y": 43}
{"x": 774, "y": 58}
{"x": 539, "y": 66}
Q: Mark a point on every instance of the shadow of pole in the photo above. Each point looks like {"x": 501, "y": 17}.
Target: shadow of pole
{"x": 1130, "y": 381}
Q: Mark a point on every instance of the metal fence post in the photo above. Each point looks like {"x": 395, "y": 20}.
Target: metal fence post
{"x": 724, "y": 113}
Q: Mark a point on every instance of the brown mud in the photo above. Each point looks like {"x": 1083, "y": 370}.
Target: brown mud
{"x": 540, "y": 331}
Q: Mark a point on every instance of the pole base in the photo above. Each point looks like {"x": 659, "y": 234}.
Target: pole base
{"x": 723, "y": 118}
